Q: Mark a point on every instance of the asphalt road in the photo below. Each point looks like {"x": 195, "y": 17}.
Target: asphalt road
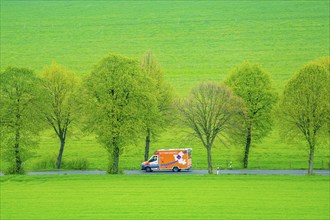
{"x": 220, "y": 172}
{"x": 236, "y": 172}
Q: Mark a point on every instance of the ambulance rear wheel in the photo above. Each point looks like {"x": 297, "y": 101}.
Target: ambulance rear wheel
{"x": 148, "y": 169}
{"x": 175, "y": 169}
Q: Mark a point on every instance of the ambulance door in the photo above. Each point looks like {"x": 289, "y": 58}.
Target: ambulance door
{"x": 153, "y": 162}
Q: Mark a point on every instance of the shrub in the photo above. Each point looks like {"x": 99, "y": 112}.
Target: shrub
{"x": 49, "y": 163}
{"x": 46, "y": 163}
{"x": 12, "y": 170}
{"x": 76, "y": 164}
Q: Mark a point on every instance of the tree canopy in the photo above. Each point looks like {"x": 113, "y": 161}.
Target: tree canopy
{"x": 251, "y": 83}
{"x": 118, "y": 99}
{"x": 304, "y": 108}
{"x": 59, "y": 85}
{"x": 20, "y": 116}
{"x": 156, "y": 121}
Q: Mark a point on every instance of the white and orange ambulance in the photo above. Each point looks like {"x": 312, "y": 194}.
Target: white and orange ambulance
{"x": 169, "y": 159}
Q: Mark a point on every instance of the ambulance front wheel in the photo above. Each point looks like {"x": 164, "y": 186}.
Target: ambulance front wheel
{"x": 175, "y": 169}
{"x": 148, "y": 169}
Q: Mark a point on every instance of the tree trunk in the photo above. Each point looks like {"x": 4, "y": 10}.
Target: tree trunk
{"x": 114, "y": 162}
{"x": 18, "y": 166}
{"x": 146, "y": 152}
{"x": 311, "y": 160}
{"x": 59, "y": 158}
{"x": 18, "y": 159}
{"x": 247, "y": 148}
{"x": 209, "y": 160}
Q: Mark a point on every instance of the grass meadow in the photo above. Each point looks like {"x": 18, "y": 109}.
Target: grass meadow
{"x": 279, "y": 156}
{"x": 193, "y": 41}
{"x": 165, "y": 197}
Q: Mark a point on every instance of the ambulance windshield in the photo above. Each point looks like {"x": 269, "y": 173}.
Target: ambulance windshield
{"x": 153, "y": 158}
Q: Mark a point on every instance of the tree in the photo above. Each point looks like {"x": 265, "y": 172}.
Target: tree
{"x": 156, "y": 121}
{"x": 304, "y": 108}
{"x": 324, "y": 61}
{"x": 20, "y": 116}
{"x": 59, "y": 86}
{"x": 210, "y": 111}
{"x": 118, "y": 99}
{"x": 251, "y": 83}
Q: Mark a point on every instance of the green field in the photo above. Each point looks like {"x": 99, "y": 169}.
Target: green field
{"x": 165, "y": 197}
{"x": 271, "y": 155}
{"x": 193, "y": 41}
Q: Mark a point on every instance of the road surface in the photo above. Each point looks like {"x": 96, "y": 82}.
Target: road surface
{"x": 220, "y": 172}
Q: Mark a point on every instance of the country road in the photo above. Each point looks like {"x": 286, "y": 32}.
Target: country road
{"x": 220, "y": 172}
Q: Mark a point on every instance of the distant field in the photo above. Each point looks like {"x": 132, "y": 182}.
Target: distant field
{"x": 193, "y": 41}
{"x": 165, "y": 197}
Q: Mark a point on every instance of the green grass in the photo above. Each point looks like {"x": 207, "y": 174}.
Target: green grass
{"x": 193, "y": 41}
{"x": 165, "y": 197}
{"x": 273, "y": 155}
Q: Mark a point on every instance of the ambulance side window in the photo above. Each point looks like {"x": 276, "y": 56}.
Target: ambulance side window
{"x": 154, "y": 158}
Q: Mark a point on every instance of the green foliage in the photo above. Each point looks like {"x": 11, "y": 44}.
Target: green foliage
{"x": 118, "y": 97}
{"x": 305, "y": 108}
{"x": 76, "y": 164}
{"x": 323, "y": 61}
{"x": 305, "y": 101}
{"x": 161, "y": 89}
{"x": 60, "y": 89}
{"x": 47, "y": 162}
{"x": 157, "y": 119}
{"x": 12, "y": 169}
{"x": 187, "y": 44}
{"x": 251, "y": 83}
{"x": 20, "y": 116}
{"x": 129, "y": 197}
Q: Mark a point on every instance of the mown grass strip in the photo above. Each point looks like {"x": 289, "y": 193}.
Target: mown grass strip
{"x": 165, "y": 197}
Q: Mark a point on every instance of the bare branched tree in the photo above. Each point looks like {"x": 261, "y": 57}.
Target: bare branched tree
{"x": 210, "y": 111}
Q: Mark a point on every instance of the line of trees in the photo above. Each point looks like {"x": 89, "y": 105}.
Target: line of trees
{"x": 123, "y": 100}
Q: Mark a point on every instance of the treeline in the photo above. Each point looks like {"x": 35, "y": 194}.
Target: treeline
{"x": 123, "y": 100}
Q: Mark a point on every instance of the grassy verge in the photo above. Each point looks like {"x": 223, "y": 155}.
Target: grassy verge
{"x": 165, "y": 197}
{"x": 86, "y": 153}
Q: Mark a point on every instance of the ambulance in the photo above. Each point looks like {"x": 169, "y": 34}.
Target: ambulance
{"x": 169, "y": 159}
